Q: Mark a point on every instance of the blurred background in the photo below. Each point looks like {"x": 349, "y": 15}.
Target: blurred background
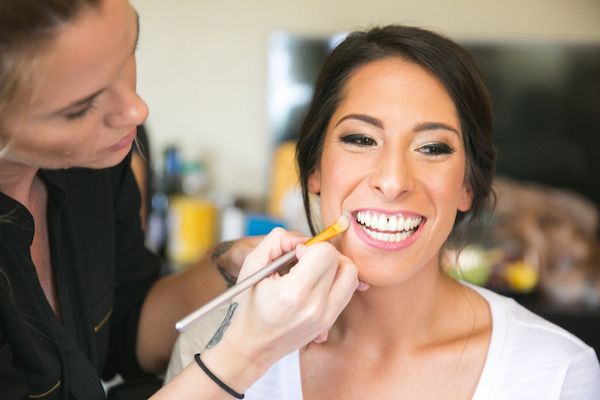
{"x": 203, "y": 65}
{"x": 227, "y": 82}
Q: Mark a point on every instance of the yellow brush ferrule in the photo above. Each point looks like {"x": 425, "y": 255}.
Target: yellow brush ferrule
{"x": 335, "y": 229}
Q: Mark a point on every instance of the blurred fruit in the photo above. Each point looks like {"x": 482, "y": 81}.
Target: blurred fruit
{"x": 471, "y": 265}
{"x": 521, "y": 277}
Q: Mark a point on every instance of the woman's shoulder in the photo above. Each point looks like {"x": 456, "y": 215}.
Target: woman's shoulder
{"x": 528, "y": 354}
{"x": 522, "y": 328}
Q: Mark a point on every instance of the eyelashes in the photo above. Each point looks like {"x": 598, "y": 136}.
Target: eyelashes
{"x": 436, "y": 149}
{"x": 81, "y": 113}
{"x": 429, "y": 149}
{"x": 358, "y": 140}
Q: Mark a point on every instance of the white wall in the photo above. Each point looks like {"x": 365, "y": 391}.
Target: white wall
{"x": 202, "y": 63}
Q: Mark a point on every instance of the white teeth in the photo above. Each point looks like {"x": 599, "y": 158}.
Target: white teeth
{"x": 367, "y": 219}
{"x": 394, "y": 228}
{"x": 400, "y": 223}
{"x": 389, "y": 237}
{"x": 382, "y": 222}
{"x": 392, "y": 223}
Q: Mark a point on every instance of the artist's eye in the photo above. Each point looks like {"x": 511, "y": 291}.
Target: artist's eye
{"x": 435, "y": 149}
{"x": 80, "y": 113}
{"x": 358, "y": 139}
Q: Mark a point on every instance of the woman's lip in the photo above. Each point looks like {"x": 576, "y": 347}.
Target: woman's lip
{"x": 125, "y": 142}
{"x": 362, "y": 235}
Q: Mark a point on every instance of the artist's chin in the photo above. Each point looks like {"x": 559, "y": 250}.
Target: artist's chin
{"x": 109, "y": 159}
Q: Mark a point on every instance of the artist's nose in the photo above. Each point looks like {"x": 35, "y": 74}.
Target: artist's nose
{"x": 129, "y": 109}
{"x": 393, "y": 176}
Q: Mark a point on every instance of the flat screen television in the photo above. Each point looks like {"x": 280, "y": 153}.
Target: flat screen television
{"x": 547, "y": 112}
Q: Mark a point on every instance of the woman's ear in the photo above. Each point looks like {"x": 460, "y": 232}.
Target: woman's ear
{"x": 314, "y": 182}
{"x": 466, "y": 199}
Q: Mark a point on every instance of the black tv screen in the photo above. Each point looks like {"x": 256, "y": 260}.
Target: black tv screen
{"x": 547, "y": 112}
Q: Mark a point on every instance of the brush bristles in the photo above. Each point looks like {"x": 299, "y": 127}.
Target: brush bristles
{"x": 343, "y": 222}
{"x": 340, "y": 226}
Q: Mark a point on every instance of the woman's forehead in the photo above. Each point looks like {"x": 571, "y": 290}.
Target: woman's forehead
{"x": 84, "y": 55}
{"x": 395, "y": 87}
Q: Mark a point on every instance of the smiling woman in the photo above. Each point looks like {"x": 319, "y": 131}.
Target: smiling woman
{"x": 399, "y": 135}
{"x": 393, "y": 151}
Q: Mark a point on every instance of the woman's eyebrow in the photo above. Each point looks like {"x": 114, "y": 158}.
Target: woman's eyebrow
{"x": 420, "y": 127}
{"x": 432, "y": 126}
{"x": 364, "y": 118}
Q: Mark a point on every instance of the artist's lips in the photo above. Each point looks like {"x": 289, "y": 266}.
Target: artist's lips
{"x": 387, "y": 230}
{"x": 125, "y": 142}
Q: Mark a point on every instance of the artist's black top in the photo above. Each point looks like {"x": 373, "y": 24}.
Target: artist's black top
{"x": 102, "y": 274}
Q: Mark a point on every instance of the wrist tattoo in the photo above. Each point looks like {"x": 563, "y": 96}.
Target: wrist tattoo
{"x": 221, "y": 249}
{"x": 224, "y": 325}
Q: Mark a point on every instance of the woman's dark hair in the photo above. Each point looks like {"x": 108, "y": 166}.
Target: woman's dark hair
{"x": 24, "y": 25}
{"x": 447, "y": 61}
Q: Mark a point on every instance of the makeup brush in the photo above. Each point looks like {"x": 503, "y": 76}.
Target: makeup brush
{"x": 338, "y": 227}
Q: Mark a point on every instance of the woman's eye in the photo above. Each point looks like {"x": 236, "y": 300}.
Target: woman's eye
{"x": 79, "y": 113}
{"x": 358, "y": 139}
{"x": 436, "y": 149}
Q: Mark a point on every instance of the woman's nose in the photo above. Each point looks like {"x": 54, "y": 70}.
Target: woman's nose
{"x": 392, "y": 177}
{"x": 129, "y": 110}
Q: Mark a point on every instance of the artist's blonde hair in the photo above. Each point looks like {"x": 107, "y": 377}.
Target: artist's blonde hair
{"x": 25, "y": 26}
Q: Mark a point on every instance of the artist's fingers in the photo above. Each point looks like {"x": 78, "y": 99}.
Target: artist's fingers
{"x": 324, "y": 285}
{"x": 275, "y": 244}
{"x": 322, "y": 336}
{"x": 342, "y": 289}
{"x": 340, "y": 294}
{"x": 300, "y": 295}
{"x": 329, "y": 297}
{"x": 316, "y": 269}
{"x": 362, "y": 286}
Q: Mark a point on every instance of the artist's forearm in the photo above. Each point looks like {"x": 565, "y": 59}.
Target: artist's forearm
{"x": 225, "y": 362}
{"x": 169, "y": 300}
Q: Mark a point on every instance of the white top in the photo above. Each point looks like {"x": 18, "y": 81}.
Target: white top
{"x": 528, "y": 358}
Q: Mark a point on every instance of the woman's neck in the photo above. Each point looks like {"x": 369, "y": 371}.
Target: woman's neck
{"x": 402, "y": 318}
{"x": 16, "y": 181}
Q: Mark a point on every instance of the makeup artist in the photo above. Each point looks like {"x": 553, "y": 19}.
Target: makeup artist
{"x": 80, "y": 296}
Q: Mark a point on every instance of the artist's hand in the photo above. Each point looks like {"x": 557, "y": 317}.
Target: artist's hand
{"x": 283, "y": 313}
{"x": 229, "y": 256}
{"x": 324, "y": 335}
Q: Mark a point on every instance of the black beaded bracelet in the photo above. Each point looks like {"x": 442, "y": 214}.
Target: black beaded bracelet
{"x": 219, "y": 382}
